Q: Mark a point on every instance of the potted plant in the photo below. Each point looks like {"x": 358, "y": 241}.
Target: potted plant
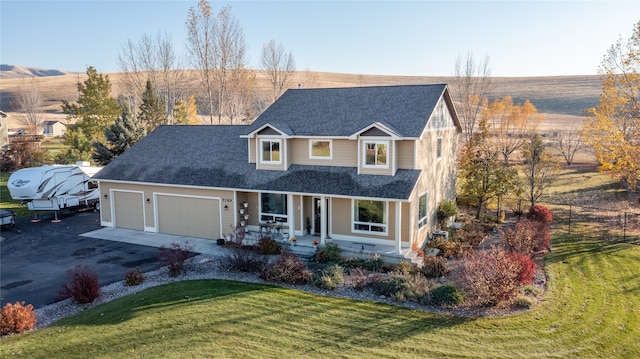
{"x": 292, "y": 240}
{"x": 315, "y": 244}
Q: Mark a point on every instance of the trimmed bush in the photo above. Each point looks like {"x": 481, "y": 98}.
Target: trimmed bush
{"x": 527, "y": 267}
{"x": 243, "y": 260}
{"x": 446, "y": 209}
{"x": 434, "y": 267}
{"x": 173, "y": 257}
{"x": 489, "y": 277}
{"x": 17, "y": 318}
{"x": 406, "y": 267}
{"x": 447, "y": 295}
{"x": 329, "y": 253}
{"x": 402, "y": 287}
{"x": 330, "y": 277}
{"x": 268, "y": 245}
{"x": 372, "y": 263}
{"x": 134, "y": 277}
{"x": 82, "y": 285}
{"x": 287, "y": 268}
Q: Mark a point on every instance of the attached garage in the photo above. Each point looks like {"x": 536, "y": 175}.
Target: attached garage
{"x": 128, "y": 210}
{"x": 188, "y": 216}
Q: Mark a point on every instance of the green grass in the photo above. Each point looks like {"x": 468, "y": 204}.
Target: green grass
{"x": 591, "y": 310}
{"x": 9, "y": 203}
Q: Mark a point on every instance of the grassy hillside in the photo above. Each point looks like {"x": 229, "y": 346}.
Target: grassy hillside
{"x": 561, "y": 98}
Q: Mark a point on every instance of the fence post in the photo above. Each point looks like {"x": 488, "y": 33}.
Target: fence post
{"x": 624, "y": 228}
{"x": 569, "y": 219}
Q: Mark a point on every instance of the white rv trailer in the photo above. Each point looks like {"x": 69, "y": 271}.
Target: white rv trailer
{"x": 56, "y": 187}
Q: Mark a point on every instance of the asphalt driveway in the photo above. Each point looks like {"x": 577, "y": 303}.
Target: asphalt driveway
{"x": 35, "y": 257}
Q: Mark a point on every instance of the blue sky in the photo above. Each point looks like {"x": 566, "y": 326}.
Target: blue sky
{"x": 421, "y": 38}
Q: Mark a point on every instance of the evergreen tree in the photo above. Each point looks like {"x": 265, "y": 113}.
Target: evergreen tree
{"x": 95, "y": 108}
{"x": 78, "y": 146}
{"x": 152, "y": 110}
{"x": 186, "y": 113}
{"x": 124, "y": 133}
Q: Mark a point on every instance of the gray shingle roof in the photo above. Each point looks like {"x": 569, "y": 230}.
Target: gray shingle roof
{"x": 216, "y": 156}
{"x": 345, "y": 111}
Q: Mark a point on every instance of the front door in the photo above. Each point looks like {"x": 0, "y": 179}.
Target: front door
{"x": 317, "y": 216}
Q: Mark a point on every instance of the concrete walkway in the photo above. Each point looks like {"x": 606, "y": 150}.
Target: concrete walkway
{"x": 199, "y": 245}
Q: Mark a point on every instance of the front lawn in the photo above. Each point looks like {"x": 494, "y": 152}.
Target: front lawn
{"x": 591, "y": 310}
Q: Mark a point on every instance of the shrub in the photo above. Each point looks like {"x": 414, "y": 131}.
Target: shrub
{"x": 540, "y": 213}
{"x": 267, "y": 245}
{"x": 287, "y": 268}
{"x": 434, "y": 267}
{"x": 372, "y": 263}
{"x": 406, "y": 267}
{"x": 525, "y": 302}
{"x": 489, "y": 276}
{"x": 17, "y": 318}
{"x": 527, "y": 237}
{"x": 329, "y": 253}
{"x": 438, "y": 243}
{"x": 531, "y": 290}
{"x": 361, "y": 279}
{"x": 174, "y": 257}
{"x": 527, "y": 267}
{"x": 447, "y": 295}
{"x": 402, "y": 287}
{"x": 134, "y": 277}
{"x": 82, "y": 285}
{"x": 446, "y": 209}
{"x": 243, "y": 260}
{"x": 330, "y": 277}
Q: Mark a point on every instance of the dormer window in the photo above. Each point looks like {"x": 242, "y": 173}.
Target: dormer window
{"x": 375, "y": 154}
{"x": 320, "y": 149}
{"x": 270, "y": 151}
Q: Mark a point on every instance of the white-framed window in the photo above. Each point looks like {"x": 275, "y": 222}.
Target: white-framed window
{"x": 439, "y": 148}
{"x": 320, "y": 149}
{"x": 270, "y": 151}
{"x": 423, "y": 203}
{"x": 273, "y": 207}
{"x": 376, "y": 154}
{"x": 370, "y": 216}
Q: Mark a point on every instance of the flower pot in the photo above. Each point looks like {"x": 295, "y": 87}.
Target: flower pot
{"x": 245, "y": 204}
{"x": 220, "y": 241}
{"x": 241, "y": 210}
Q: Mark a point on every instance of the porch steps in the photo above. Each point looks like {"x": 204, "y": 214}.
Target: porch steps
{"x": 412, "y": 257}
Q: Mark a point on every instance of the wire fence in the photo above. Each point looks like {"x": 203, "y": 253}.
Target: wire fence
{"x": 591, "y": 222}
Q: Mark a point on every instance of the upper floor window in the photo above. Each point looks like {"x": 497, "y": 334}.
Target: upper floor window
{"x": 270, "y": 151}
{"x": 375, "y": 153}
{"x": 439, "y": 148}
{"x": 370, "y": 216}
{"x": 320, "y": 149}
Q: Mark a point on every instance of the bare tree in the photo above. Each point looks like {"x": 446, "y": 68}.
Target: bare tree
{"x": 241, "y": 94}
{"x": 569, "y": 142}
{"x": 29, "y": 104}
{"x": 279, "y": 66}
{"x": 155, "y": 60}
{"x": 540, "y": 168}
{"x": 471, "y": 84}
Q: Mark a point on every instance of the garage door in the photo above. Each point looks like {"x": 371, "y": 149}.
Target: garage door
{"x": 189, "y": 216}
{"x": 128, "y": 210}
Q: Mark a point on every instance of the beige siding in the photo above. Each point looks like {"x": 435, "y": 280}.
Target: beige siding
{"x": 252, "y": 150}
{"x": 344, "y": 153}
{"x": 405, "y": 153}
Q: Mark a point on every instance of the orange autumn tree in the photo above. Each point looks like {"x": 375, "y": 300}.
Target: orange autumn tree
{"x": 510, "y": 124}
{"x": 613, "y": 126}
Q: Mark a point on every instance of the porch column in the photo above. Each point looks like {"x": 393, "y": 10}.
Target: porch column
{"x": 323, "y": 220}
{"x": 291, "y": 215}
{"x": 398, "y": 229}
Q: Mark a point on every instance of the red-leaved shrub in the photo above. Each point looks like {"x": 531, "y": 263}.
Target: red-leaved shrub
{"x": 489, "y": 276}
{"x": 527, "y": 267}
{"x": 173, "y": 257}
{"x": 527, "y": 237}
{"x": 82, "y": 286}
{"x": 17, "y": 318}
{"x": 540, "y": 213}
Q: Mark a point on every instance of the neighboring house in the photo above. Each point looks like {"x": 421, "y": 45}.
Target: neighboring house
{"x": 364, "y": 165}
{"x": 53, "y": 128}
{"x": 4, "y": 131}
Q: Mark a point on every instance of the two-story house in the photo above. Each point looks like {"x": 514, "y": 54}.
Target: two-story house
{"x": 366, "y": 165}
